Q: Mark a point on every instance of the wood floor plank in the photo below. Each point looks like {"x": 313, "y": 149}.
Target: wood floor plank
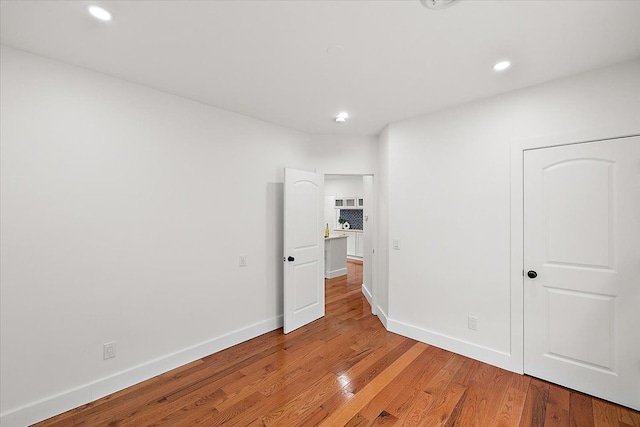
{"x": 535, "y": 406}
{"x": 419, "y": 407}
{"x": 318, "y": 415}
{"x": 418, "y": 372}
{"x": 556, "y": 416}
{"x": 343, "y": 369}
{"x": 604, "y": 414}
{"x": 294, "y": 410}
{"x": 580, "y": 410}
{"x": 358, "y": 421}
{"x": 443, "y": 407}
{"x": 557, "y": 411}
{"x": 162, "y": 408}
{"x": 474, "y": 403}
{"x": 403, "y": 401}
{"x": 354, "y": 405}
{"x": 511, "y": 408}
{"x": 431, "y": 394}
{"x": 520, "y": 382}
{"x": 559, "y": 396}
{"x": 384, "y": 419}
{"x": 494, "y": 393}
{"x": 362, "y": 373}
{"x": 628, "y": 416}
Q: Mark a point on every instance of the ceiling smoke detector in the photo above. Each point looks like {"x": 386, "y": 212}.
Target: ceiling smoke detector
{"x": 436, "y": 4}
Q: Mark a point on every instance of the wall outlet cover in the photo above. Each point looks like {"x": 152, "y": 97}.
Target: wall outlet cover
{"x": 473, "y": 323}
{"x": 109, "y": 350}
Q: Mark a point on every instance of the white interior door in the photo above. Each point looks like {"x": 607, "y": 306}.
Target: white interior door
{"x": 582, "y": 238}
{"x": 303, "y": 248}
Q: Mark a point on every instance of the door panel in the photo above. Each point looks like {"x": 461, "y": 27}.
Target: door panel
{"x": 566, "y": 338}
{"x": 305, "y": 295}
{"x": 304, "y": 248}
{"x": 582, "y": 237}
{"x": 578, "y": 202}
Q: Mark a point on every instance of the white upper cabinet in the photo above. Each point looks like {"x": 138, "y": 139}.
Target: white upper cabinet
{"x": 349, "y": 203}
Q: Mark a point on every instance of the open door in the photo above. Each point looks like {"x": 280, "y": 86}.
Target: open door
{"x": 303, "y": 248}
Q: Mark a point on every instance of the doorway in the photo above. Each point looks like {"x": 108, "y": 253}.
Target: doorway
{"x": 349, "y": 210}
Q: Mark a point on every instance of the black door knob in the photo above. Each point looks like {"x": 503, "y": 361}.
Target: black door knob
{"x": 291, "y": 259}
{"x": 532, "y": 274}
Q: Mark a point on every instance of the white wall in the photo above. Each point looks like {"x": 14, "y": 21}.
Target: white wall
{"x": 344, "y": 154}
{"x": 343, "y": 186}
{"x": 124, "y": 210}
{"x": 449, "y": 203}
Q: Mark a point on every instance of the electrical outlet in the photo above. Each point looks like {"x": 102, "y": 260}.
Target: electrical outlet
{"x": 242, "y": 260}
{"x": 396, "y": 244}
{"x": 473, "y": 323}
{"x": 109, "y": 350}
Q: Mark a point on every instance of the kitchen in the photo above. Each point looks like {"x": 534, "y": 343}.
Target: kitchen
{"x": 346, "y": 211}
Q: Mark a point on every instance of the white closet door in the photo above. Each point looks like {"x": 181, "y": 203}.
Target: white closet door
{"x": 582, "y": 244}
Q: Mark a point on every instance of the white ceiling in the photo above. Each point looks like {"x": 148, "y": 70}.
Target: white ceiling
{"x": 268, "y": 59}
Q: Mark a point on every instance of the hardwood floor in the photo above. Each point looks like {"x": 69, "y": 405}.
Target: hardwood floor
{"x": 344, "y": 370}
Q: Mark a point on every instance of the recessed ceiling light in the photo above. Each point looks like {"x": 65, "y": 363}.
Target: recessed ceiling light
{"x": 502, "y": 65}
{"x": 100, "y": 13}
{"x": 342, "y": 117}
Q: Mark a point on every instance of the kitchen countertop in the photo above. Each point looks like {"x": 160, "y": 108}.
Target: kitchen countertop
{"x": 347, "y": 229}
{"x": 335, "y": 237}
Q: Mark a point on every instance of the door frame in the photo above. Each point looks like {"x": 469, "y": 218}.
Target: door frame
{"x": 516, "y": 275}
{"x": 374, "y": 235}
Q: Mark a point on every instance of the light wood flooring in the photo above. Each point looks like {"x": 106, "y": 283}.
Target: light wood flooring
{"x": 344, "y": 370}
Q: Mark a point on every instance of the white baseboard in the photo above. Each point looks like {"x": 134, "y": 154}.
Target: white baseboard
{"x": 455, "y": 345}
{"x": 54, "y": 405}
{"x": 367, "y": 294}
{"x": 335, "y": 273}
{"x": 383, "y": 317}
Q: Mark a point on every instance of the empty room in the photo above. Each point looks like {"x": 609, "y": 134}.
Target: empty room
{"x": 320, "y": 213}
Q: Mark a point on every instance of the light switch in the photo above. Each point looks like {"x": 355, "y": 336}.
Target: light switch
{"x": 396, "y": 244}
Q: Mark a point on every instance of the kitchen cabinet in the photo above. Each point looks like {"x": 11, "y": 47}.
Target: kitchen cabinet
{"x": 351, "y": 243}
{"x": 335, "y": 256}
{"x": 359, "y": 244}
{"x": 346, "y": 203}
{"x": 355, "y": 243}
